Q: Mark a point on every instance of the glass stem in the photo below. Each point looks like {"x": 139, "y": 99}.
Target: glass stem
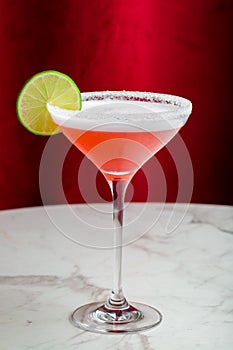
{"x": 117, "y": 299}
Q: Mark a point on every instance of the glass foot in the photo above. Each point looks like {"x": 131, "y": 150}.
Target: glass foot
{"x": 97, "y": 317}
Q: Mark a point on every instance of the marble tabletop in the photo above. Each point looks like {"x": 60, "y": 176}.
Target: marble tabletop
{"x": 176, "y": 258}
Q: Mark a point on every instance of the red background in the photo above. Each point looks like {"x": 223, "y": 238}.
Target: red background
{"x": 178, "y": 47}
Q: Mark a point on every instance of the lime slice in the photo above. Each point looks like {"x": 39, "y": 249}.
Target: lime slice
{"x": 48, "y": 86}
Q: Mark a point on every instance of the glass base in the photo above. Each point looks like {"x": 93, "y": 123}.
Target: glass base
{"x": 97, "y": 317}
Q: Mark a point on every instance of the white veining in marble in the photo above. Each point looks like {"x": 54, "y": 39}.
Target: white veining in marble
{"x": 186, "y": 274}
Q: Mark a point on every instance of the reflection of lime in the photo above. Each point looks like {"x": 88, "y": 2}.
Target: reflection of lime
{"x": 48, "y": 86}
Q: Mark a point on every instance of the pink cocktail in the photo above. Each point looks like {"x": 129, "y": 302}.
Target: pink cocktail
{"x": 119, "y": 131}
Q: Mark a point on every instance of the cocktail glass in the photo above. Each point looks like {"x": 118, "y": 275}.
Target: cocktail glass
{"x": 119, "y": 131}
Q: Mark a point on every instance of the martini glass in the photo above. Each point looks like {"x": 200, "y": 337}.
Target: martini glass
{"x": 119, "y": 131}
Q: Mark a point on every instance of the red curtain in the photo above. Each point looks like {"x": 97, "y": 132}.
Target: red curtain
{"x": 178, "y": 47}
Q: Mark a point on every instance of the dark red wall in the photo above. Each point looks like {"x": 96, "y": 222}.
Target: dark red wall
{"x": 179, "y": 47}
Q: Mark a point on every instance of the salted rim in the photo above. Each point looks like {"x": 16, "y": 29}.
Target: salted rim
{"x": 90, "y": 119}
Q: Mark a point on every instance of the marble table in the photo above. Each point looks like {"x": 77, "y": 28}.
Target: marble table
{"x": 175, "y": 258}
